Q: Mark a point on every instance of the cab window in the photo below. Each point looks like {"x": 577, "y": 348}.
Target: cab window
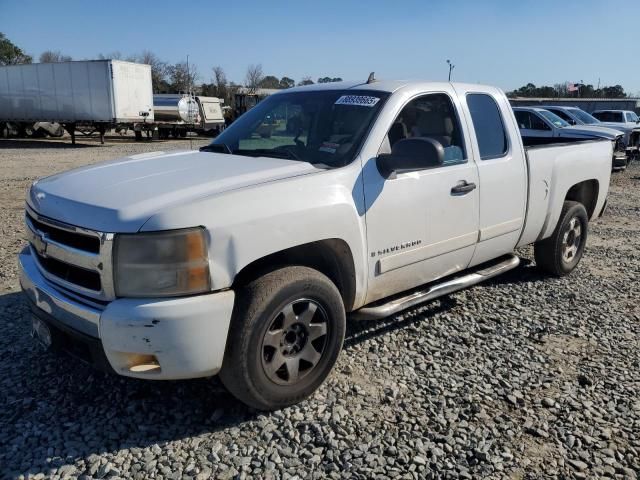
{"x": 561, "y": 114}
{"x": 488, "y": 125}
{"x": 432, "y": 116}
{"x": 529, "y": 121}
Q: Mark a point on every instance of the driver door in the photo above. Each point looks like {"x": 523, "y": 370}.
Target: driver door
{"x": 419, "y": 226}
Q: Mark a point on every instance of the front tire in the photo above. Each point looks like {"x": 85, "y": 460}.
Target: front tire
{"x": 561, "y": 252}
{"x": 286, "y": 334}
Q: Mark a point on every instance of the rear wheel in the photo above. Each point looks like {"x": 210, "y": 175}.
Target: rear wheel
{"x": 561, "y": 252}
{"x": 287, "y": 332}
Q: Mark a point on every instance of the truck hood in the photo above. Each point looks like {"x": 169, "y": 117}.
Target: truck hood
{"x": 623, "y": 127}
{"x": 121, "y": 195}
{"x": 590, "y": 131}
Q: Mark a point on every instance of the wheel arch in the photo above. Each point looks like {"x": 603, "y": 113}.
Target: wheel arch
{"x": 332, "y": 257}
{"x": 586, "y": 193}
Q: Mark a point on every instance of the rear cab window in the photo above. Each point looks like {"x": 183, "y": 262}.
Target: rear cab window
{"x": 488, "y": 125}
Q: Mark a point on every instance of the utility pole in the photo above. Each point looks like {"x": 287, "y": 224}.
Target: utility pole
{"x": 188, "y": 77}
{"x": 451, "y": 67}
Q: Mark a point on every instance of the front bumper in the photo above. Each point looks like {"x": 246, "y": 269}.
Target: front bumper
{"x": 185, "y": 337}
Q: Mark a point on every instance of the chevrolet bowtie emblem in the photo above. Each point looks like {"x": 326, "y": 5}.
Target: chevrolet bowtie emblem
{"x": 40, "y": 242}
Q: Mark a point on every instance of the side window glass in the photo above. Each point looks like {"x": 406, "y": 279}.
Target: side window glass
{"x": 562, "y": 115}
{"x": 538, "y": 123}
{"x": 523, "y": 119}
{"x": 432, "y": 116}
{"x": 488, "y": 125}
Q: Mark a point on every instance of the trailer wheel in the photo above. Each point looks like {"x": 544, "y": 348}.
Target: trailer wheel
{"x": 561, "y": 252}
{"x": 138, "y": 135}
{"x": 287, "y": 332}
{"x": 28, "y": 131}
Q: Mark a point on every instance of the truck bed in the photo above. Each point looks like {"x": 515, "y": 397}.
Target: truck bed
{"x": 553, "y": 169}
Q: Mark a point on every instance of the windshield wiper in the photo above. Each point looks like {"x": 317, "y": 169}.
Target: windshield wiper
{"x": 216, "y": 148}
{"x": 268, "y": 152}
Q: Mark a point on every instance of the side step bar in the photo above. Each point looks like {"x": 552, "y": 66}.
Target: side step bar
{"x": 377, "y": 312}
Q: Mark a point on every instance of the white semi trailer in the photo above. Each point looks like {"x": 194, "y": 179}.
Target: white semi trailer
{"x": 87, "y": 96}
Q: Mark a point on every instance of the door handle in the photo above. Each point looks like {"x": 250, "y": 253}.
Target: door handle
{"x": 463, "y": 188}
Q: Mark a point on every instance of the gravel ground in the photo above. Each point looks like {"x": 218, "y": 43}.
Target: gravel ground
{"x": 523, "y": 377}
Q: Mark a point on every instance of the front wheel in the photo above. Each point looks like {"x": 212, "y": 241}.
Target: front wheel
{"x": 286, "y": 334}
{"x": 561, "y": 252}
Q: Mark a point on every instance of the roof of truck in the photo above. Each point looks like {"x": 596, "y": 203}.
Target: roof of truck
{"x": 613, "y": 110}
{"x": 535, "y": 109}
{"x": 379, "y": 85}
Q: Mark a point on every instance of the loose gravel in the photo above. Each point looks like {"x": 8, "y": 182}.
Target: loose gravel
{"x": 522, "y": 377}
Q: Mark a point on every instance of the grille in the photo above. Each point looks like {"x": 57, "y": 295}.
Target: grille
{"x": 70, "y": 273}
{"x": 65, "y": 237}
{"x": 77, "y": 259}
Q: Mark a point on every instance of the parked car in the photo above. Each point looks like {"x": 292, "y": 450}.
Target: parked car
{"x": 539, "y": 125}
{"x": 626, "y": 121}
{"x": 577, "y": 116}
{"x": 245, "y": 258}
{"x": 616, "y": 116}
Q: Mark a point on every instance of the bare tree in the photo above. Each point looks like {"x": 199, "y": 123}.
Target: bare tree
{"x": 254, "y": 77}
{"x": 158, "y": 70}
{"x": 111, "y": 56}
{"x": 54, "y": 56}
{"x": 221, "y": 84}
{"x": 181, "y": 77}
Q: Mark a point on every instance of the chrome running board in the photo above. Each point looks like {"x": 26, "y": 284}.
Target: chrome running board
{"x": 397, "y": 304}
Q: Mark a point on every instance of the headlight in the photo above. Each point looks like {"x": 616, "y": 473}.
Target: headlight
{"x": 161, "y": 264}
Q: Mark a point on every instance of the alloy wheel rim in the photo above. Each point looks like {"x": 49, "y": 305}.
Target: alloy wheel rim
{"x": 293, "y": 344}
{"x": 571, "y": 240}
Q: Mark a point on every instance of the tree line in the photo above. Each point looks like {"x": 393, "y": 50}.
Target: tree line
{"x": 561, "y": 90}
{"x": 171, "y": 78}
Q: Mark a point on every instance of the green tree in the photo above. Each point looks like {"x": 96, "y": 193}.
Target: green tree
{"x": 329, "y": 79}
{"x": 10, "y": 54}
{"x": 286, "y": 82}
{"x": 613, "y": 92}
{"x": 305, "y": 81}
{"x": 269, "y": 82}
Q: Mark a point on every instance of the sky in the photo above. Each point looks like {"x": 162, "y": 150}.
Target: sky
{"x": 506, "y": 43}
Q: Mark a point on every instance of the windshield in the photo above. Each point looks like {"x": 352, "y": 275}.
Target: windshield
{"x": 553, "y": 118}
{"x": 584, "y": 117}
{"x": 608, "y": 116}
{"x": 324, "y": 127}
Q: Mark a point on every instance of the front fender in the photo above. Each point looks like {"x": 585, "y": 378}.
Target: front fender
{"x": 248, "y": 224}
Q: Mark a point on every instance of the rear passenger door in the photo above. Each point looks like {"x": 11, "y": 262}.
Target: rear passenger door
{"x": 498, "y": 152}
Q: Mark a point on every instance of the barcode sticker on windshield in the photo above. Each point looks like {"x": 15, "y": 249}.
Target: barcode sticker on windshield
{"x": 357, "y": 100}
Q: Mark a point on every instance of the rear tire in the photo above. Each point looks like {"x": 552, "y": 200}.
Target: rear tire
{"x": 561, "y": 252}
{"x": 286, "y": 334}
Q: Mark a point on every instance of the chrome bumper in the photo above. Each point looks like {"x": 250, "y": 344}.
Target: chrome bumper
{"x": 76, "y": 315}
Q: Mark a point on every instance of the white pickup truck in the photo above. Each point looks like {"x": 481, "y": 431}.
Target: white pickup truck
{"x": 246, "y": 258}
